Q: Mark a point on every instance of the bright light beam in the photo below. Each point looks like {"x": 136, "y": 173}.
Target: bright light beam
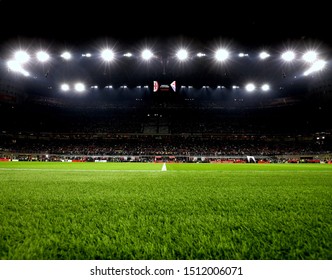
{"x": 309, "y": 56}
{"x": 264, "y": 55}
{"x": 250, "y": 87}
{"x": 66, "y": 55}
{"x": 79, "y": 87}
{"x": 65, "y": 87}
{"x": 317, "y": 66}
{"x": 221, "y": 55}
{"x": 42, "y": 56}
{"x": 265, "y": 87}
{"x": 182, "y": 54}
{"x": 147, "y": 54}
{"x": 15, "y": 66}
{"x": 107, "y": 55}
{"x": 22, "y": 56}
{"x": 288, "y": 56}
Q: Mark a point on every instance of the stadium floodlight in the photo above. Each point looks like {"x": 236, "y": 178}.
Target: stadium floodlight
{"x": 42, "y": 56}
{"x": 66, "y": 55}
{"x": 79, "y": 87}
{"x": 243, "y": 54}
{"x": 109, "y": 86}
{"x": 264, "y": 55}
{"x": 201, "y": 54}
{"x": 221, "y": 55}
{"x": 25, "y": 73}
{"x": 309, "y": 56}
{"x": 288, "y": 56}
{"x": 15, "y": 66}
{"x": 22, "y": 57}
{"x": 316, "y": 66}
{"x": 182, "y": 54}
{"x": 107, "y": 55}
{"x": 128, "y": 54}
{"x": 250, "y": 87}
{"x": 65, "y": 87}
{"x": 94, "y": 87}
{"x": 265, "y": 87}
{"x": 147, "y": 54}
{"x": 86, "y": 54}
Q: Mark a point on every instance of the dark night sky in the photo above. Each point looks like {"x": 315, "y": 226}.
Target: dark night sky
{"x": 82, "y": 21}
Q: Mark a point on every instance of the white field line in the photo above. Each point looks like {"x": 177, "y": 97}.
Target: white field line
{"x": 164, "y": 168}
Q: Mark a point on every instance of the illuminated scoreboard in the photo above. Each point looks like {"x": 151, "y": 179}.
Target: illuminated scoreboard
{"x": 164, "y": 87}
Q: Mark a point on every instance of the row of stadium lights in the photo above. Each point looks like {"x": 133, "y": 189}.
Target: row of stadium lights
{"x": 21, "y": 58}
{"x": 81, "y": 87}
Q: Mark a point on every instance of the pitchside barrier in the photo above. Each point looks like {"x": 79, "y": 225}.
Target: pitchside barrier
{"x": 317, "y": 158}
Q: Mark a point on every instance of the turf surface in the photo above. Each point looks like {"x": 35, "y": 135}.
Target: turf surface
{"x": 135, "y": 211}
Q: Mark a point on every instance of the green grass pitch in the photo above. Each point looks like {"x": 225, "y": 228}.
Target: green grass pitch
{"x": 135, "y": 211}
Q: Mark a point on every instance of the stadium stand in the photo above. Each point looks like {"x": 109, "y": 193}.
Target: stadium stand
{"x": 52, "y": 131}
